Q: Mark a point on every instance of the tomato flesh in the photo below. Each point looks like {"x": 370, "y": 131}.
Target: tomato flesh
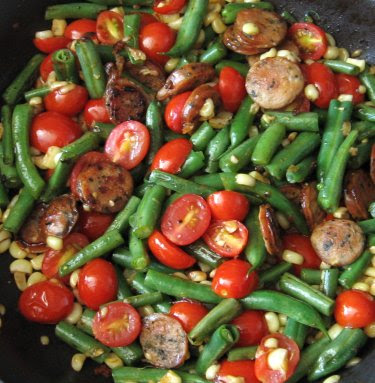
{"x": 79, "y": 28}
{"x": 188, "y": 313}
{"x": 51, "y": 44}
{"x": 348, "y": 84}
{"x": 109, "y": 27}
{"x": 173, "y": 112}
{"x": 167, "y": 7}
{"x": 228, "y": 205}
{"x": 232, "y": 88}
{"x": 241, "y": 368}
{"x": 95, "y": 111}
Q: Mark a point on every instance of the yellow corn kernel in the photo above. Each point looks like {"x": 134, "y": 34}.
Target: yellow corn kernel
{"x": 171, "y": 64}
{"x": 58, "y": 27}
{"x": 49, "y": 159}
{"x": 44, "y": 340}
{"x": 335, "y": 331}
{"x": 176, "y": 25}
{"x": 218, "y": 26}
{"x": 332, "y": 53}
{"x": 181, "y": 275}
{"x": 361, "y": 64}
{"x": 37, "y": 262}
{"x": 54, "y": 243}
{"x": 170, "y": 377}
{"x": 271, "y": 53}
{"x": 210, "y": 17}
{"x": 271, "y": 343}
{"x": 75, "y": 314}
{"x": 357, "y": 53}
{"x": 245, "y": 179}
{"x": 212, "y": 371}
{"x": 113, "y": 361}
{"x": 145, "y": 310}
{"x": 332, "y": 379}
{"x": 343, "y": 54}
{"x": 250, "y": 29}
{"x": 22, "y": 266}
{"x": 272, "y": 321}
{"x": 341, "y": 213}
{"x": 35, "y": 277}
{"x": 289, "y": 55}
{"x": 353, "y": 362}
{"x": 197, "y": 276}
{"x": 2, "y": 309}
{"x": 221, "y": 120}
{"x": 324, "y": 266}
{"x": 166, "y": 19}
{"x": 16, "y": 251}
{"x": 74, "y": 277}
{"x": 331, "y": 40}
{"x": 278, "y": 360}
{"x": 20, "y": 280}
{"x": 208, "y": 109}
{"x": 345, "y": 97}
{"x": 361, "y": 286}
{"x": 44, "y": 34}
{"x": 292, "y": 257}
{"x": 311, "y": 92}
{"x": 78, "y": 361}
{"x": 370, "y": 272}
{"x": 370, "y": 330}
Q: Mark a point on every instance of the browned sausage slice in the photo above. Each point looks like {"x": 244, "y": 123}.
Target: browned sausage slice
{"x": 338, "y": 242}
{"x": 186, "y": 78}
{"x": 60, "y": 216}
{"x": 237, "y": 42}
{"x": 270, "y": 230}
{"x": 274, "y": 82}
{"x": 148, "y": 74}
{"x": 359, "y": 193}
{"x": 164, "y": 341}
{"x": 31, "y": 232}
{"x": 292, "y": 192}
{"x": 311, "y": 210}
{"x": 372, "y": 164}
{"x": 104, "y": 187}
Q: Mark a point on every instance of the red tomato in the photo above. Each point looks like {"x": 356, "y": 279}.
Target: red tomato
{"x": 324, "y": 79}
{"x": 70, "y": 103}
{"x": 168, "y": 253}
{"x": 348, "y": 84}
{"x": 146, "y": 18}
{"x": 355, "y": 309}
{"x": 157, "y": 38}
{"x": 51, "y": 44}
{"x": 241, "y": 368}
{"x": 109, "y": 27}
{"x": 262, "y": 370}
{"x": 167, "y": 7}
{"x": 95, "y": 111}
{"x": 93, "y": 224}
{"x": 78, "y": 28}
{"x": 46, "y": 67}
{"x": 117, "y": 324}
{"x": 227, "y": 238}
{"x": 173, "y": 112}
{"x": 128, "y": 144}
{"x": 188, "y": 313}
{"x": 232, "y": 88}
{"x": 53, "y": 129}
{"x": 302, "y": 245}
{"x": 186, "y": 219}
{"x": 172, "y": 155}
{"x": 97, "y": 283}
{"x": 46, "y": 302}
{"x": 310, "y": 39}
{"x": 252, "y": 327}
{"x": 233, "y": 280}
{"x": 228, "y": 205}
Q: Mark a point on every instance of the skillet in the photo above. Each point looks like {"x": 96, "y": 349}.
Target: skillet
{"x": 22, "y": 357}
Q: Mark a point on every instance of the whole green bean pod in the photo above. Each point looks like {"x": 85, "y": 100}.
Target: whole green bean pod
{"x": 296, "y": 331}
{"x": 216, "y": 147}
{"x": 154, "y": 123}
{"x": 365, "y": 112}
{"x": 64, "y": 65}
{"x": 121, "y": 222}
{"x": 340, "y": 66}
{"x": 302, "y": 122}
{"x": 202, "y": 253}
{"x": 329, "y": 282}
{"x": 86, "y": 143}
{"x": 242, "y": 353}
{"x": 7, "y": 139}
{"x": 140, "y": 259}
{"x": 131, "y": 29}
{"x": 214, "y": 53}
{"x": 74, "y": 11}
{"x": 193, "y": 163}
{"x": 368, "y": 80}
{"x": 202, "y": 136}
{"x": 229, "y": 12}
{"x": 239, "y": 67}
{"x": 273, "y": 274}
{"x": 191, "y": 25}
{"x": 211, "y": 180}
{"x": 311, "y": 276}
{"x": 299, "y": 172}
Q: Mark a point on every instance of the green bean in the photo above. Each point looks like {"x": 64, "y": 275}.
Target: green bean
{"x": 64, "y": 65}
{"x": 229, "y": 12}
{"x": 191, "y": 25}
{"x": 105, "y": 53}
{"x": 7, "y": 139}
{"x": 131, "y": 29}
{"x": 216, "y": 147}
{"x": 202, "y": 136}
{"x": 340, "y": 66}
{"x": 9, "y": 175}
{"x": 92, "y": 67}
{"x": 23, "y": 81}
{"x": 140, "y": 259}
{"x": 302, "y": 122}
{"x": 362, "y": 156}
{"x": 365, "y": 112}
{"x": 214, "y": 53}
{"x": 209, "y": 36}
{"x": 4, "y": 199}
{"x": 194, "y": 162}
{"x": 239, "y": 67}
{"x": 144, "y": 299}
{"x": 85, "y": 322}
{"x": 299, "y": 172}
{"x": 86, "y": 143}
{"x": 329, "y": 282}
{"x": 274, "y": 301}
{"x": 242, "y": 353}
{"x": 154, "y": 123}
{"x": 288, "y": 17}
{"x": 101, "y": 246}
{"x": 103, "y": 130}
{"x": 211, "y": 180}
{"x": 139, "y": 172}
{"x": 368, "y": 80}
{"x": 329, "y": 195}
{"x": 365, "y": 129}
{"x": 296, "y": 331}
{"x": 190, "y": 57}
{"x": 169, "y": 135}
{"x": 37, "y": 92}
{"x": 223, "y": 339}
{"x": 121, "y": 222}
{"x": 136, "y": 3}
{"x": 202, "y": 253}
{"x": 73, "y": 11}
{"x": 181, "y": 288}
{"x": 322, "y": 115}
{"x": 123, "y": 290}
{"x": 273, "y": 274}
{"x": 367, "y": 226}
{"x": 311, "y": 276}
{"x": 223, "y": 313}
{"x": 34, "y": 183}
{"x": 301, "y": 147}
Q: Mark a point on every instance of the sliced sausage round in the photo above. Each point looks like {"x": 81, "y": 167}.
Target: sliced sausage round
{"x": 309, "y": 202}
{"x": 186, "y": 78}
{"x": 164, "y": 341}
{"x": 149, "y": 74}
{"x": 359, "y": 192}
{"x": 274, "y": 82}
{"x": 270, "y": 230}
{"x": 338, "y": 242}
{"x": 32, "y": 232}
{"x": 292, "y": 192}
{"x": 104, "y": 186}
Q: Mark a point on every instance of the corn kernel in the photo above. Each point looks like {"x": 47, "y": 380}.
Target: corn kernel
{"x": 250, "y": 29}
{"x": 370, "y": 330}
{"x": 282, "y": 220}
{"x": 16, "y": 251}
{"x": 335, "y": 331}
{"x": 218, "y": 26}
{"x": 22, "y": 266}
{"x": 44, "y": 34}
{"x": 370, "y": 272}
{"x": 221, "y": 120}
{"x": 75, "y": 315}
{"x": 113, "y": 361}
{"x": 170, "y": 377}
{"x": 345, "y": 97}
{"x": 35, "y": 278}
{"x": 273, "y": 322}
{"x": 332, "y": 53}
{"x": 361, "y": 286}
{"x": 245, "y": 179}
{"x": 271, "y": 343}
{"x": 176, "y": 25}
{"x": 171, "y": 64}
{"x": 37, "y": 262}
{"x": 58, "y": 27}
{"x": 341, "y": 213}
{"x": 353, "y": 362}
{"x": 361, "y": 64}
{"x": 197, "y": 276}
{"x": 78, "y": 361}
{"x": 212, "y": 371}
{"x": 44, "y": 340}
{"x": 331, "y": 40}
{"x": 20, "y": 280}
{"x": 208, "y": 109}
{"x": 278, "y": 360}
{"x": 54, "y": 243}
{"x": 292, "y": 257}
{"x": 311, "y": 92}
{"x": 332, "y": 379}
{"x": 271, "y": 53}
{"x": 343, "y": 54}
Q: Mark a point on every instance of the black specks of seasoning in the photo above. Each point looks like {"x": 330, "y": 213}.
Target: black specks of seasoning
{"x": 327, "y": 244}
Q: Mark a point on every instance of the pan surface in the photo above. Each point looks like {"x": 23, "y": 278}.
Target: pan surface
{"x": 22, "y": 357}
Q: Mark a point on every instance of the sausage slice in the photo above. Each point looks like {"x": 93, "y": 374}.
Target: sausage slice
{"x": 31, "y": 232}
{"x": 164, "y": 341}
{"x": 186, "y": 78}
{"x": 309, "y": 202}
{"x": 274, "y": 82}
{"x": 270, "y": 230}
{"x": 338, "y": 242}
{"x": 104, "y": 186}
{"x": 148, "y": 74}
{"x": 292, "y": 192}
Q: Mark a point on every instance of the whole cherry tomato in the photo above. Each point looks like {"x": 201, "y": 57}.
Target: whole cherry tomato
{"x": 168, "y": 7}
{"x": 79, "y": 28}
{"x": 241, "y": 368}
{"x": 188, "y": 313}
{"x": 348, "y": 84}
{"x": 173, "y": 112}
{"x": 232, "y": 88}
{"x": 228, "y": 205}
{"x": 95, "y": 111}
{"x": 51, "y": 44}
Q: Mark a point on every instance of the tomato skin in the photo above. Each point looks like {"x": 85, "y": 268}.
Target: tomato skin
{"x": 173, "y": 112}
{"x": 172, "y": 155}
{"x": 228, "y": 205}
{"x": 171, "y": 6}
{"x": 252, "y": 327}
{"x": 78, "y": 28}
{"x": 46, "y": 67}
{"x": 118, "y": 325}
{"x": 53, "y": 129}
{"x": 146, "y": 18}
{"x": 97, "y": 283}
{"x": 242, "y": 368}
{"x": 262, "y": 370}
{"x": 232, "y": 88}
{"x": 51, "y": 44}
{"x": 95, "y": 111}
{"x": 348, "y": 84}
{"x": 128, "y": 144}
{"x": 188, "y": 313}
{"x": 70, "y": 103}
{"x": 46, "y": 302}
{"x": 157, "y": 38}
{"x": 92, "y": 224}
{"x": 355, "y": 309}
{"x": 232, "y": 279}
{"x": 109, "y": 27}
{"x": 168, "y": 253}
{"x": 191, "y": 207}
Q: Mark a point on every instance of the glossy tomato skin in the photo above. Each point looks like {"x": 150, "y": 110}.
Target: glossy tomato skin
{"x": 188, "y": 313}
{"x": 348, "y": 84}
{"x": 128, "y": 144}
{"x": 168, "y": 7}
{"x": 228, "y": 205}
{"x": 173, "y": 112}
{"x": 53, "y": 129}
{"x": 146, "y": 18}
{"x": 97, "y": 283}
{"x": 70, "y": 103}
{"x": 157, "y": 38}
{"x": 231, "y": 88}
{"x": 79, "y": 28}
{"x": 51, "y": 44}
{"x": 355, "y": 309}
{"x": 186, "y": 219}
{"x": 46, "y": 302}
{"x": 252, "y": 327}
{"x": 93, "y": 224}
{"x": 168, "y": 253}
{"x": 172, "y": 155}
{"x": 95, "y": 111}
{"x": 118, "y": 325}
{"x": 46, "y": 67}
{"x": 109, "y": 27}
{"x": 241, "y": 368}
{"x": 262, "y": 370}
{"x": 233, "y": 280}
